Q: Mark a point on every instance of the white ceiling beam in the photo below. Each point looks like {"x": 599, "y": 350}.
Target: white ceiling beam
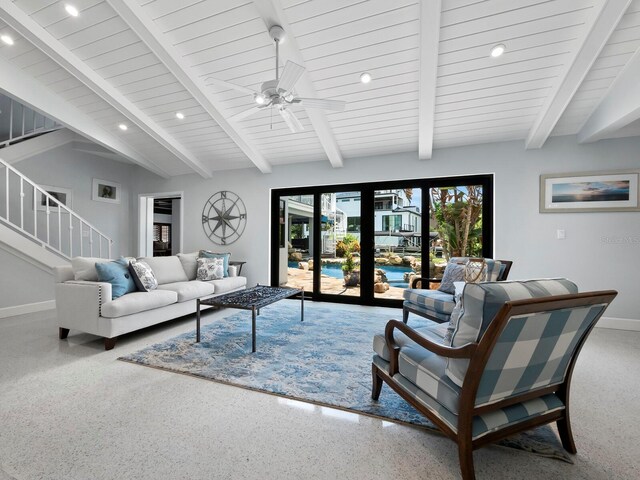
{"x": 272, "y": 14}
{"x": 619, "y": 107}
{"x": 429, "y": 44}
{"x": 598, "y": 30}
{"x": 43, "y": 40}
{"x": 17, "y": 84}
{"x": 157, "y": 42}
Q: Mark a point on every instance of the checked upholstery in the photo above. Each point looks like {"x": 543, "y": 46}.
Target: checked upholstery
{"x": 502, "y": 366}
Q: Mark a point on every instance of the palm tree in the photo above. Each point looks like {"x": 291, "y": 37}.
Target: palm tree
{"x": 408, "y": 193}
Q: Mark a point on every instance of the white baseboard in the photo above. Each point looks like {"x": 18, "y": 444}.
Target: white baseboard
{"x": 27, "y": 308}
{"x": 619, "y": 323}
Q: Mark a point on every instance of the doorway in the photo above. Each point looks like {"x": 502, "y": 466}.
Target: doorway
{"x": 363, "y": 243}
{"x": 160, "y": 224}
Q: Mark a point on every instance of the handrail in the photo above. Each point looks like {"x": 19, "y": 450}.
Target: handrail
{"x": 50, "y": 202}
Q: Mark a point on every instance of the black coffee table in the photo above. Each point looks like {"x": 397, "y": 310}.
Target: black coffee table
{"x": 253, "y": 299}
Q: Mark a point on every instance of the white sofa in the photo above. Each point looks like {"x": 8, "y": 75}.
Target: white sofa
{"x": 83, "y": 303}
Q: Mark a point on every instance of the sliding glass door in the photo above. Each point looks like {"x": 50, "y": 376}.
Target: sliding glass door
{"x": 363, "y": 243}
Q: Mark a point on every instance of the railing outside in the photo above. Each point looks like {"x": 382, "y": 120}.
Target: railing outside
{"x": 67, "y": 234}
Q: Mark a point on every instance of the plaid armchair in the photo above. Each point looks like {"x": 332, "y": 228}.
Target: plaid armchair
{"x": 503, "y": 366}
{"x": 436, "y": 305}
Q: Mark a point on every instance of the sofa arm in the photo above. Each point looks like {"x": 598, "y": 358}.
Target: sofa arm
{"x": 79, "y": 303}
{"x": 233, "y": 271}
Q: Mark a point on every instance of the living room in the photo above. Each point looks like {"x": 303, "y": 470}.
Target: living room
{"x": 72, "y": 400}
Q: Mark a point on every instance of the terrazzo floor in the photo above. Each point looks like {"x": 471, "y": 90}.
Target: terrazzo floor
{"x": 70, "y": 410}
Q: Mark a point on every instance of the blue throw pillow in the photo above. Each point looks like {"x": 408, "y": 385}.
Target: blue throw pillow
{"x": 117, "y": 274}
{"x": 224, "y": 256}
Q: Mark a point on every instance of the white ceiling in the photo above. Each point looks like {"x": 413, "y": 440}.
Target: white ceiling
{"x": 435, "y": 85}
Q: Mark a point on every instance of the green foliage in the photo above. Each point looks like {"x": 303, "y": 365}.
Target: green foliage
{"x": 458, "y": 211}
{"x": 348, "y": 244}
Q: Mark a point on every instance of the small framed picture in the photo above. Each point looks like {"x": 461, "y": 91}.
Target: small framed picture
{"x": 57, "y": 196}
{"x": 105, "y": 191}
{"x": 590, "y": 192}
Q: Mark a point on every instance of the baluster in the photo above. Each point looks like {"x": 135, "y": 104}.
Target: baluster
{"x": 59, "y": 227}
{"x": 21, "y": 203}
{"x": 48, "y": 215}
{"x": 35, "y": 212}
{"x": 100, "y": 245}
{"x": 70, "y": 235}
{"x": 81, "y": 238}
{"x": 109, "y": 246}
{"x": 90, "y": 241}
{"x": 7, "y": 192}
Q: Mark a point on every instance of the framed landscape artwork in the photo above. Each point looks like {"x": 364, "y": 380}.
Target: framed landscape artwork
{"x": 106, "y": 191}
{"x": 60, "y": 196}
{"x": 589, "y": 192}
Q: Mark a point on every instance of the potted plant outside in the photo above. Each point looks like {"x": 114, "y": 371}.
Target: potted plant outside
{"x": 350, "y": 270}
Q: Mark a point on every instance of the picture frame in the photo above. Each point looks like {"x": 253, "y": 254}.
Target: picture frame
{"x": 590, "y": 192}
{"x": 62, "y": 195}
{"x": 106, "y": 191}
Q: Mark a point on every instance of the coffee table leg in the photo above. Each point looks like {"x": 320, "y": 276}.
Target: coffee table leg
{"x": 302, "y": 307}
{"x": 253, "y": 330}
{"x": 197, "y": 320}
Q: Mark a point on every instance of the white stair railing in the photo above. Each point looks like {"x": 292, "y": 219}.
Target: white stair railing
{"x": 29, "y": 209}
{"x": 21, "y": 122}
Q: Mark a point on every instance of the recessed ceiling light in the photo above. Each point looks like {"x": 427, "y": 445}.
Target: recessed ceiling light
{"x": 365, "y": 77}
{"x": 498, "y": 50}
{"x": 122, "y": 127}
{"x": 71, "y": 10}
{"x": 7, "y": 39}
{"x": 260, "y": 98}
{"x": 180, "y": 116}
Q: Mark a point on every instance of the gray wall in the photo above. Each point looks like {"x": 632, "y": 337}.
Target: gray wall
{"x": 521, "y": 232}
{"x": 21, "y": 282}
{"x": 68, "y": 168}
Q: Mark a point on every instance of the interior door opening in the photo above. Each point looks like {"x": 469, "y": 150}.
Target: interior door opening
{"x": 160, "y": 224}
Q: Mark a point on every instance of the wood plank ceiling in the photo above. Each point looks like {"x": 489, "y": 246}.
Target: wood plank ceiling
{"x": 142, "y": 61}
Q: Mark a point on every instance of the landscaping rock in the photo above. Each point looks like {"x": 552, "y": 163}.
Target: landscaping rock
{"x": 409, "y": 260}
{"x": 310, "y": 262}
{"x": 380, "y": 276}
{"x": 303, "y": 265}
{"x": 395, "y": 260}
{"x": 381, "y": 261}
{"x": 295, "y": 256}
{"x": 379, "y": 288}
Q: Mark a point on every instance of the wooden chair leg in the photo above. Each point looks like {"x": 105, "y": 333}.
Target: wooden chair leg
{"x": 62, "y": 333}
{"x": 465, "y": 453}
{"x": 566, "y": 436}
{"x": 109, "y": 343}
{"x": 376, "y": 382}
{"x": 405, "y": 315}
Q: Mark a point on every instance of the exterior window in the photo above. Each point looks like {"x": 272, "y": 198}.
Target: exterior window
{"x": 353, "y": 224}
{"x": 161, "y": 232}
{"x": 391, "y": 223}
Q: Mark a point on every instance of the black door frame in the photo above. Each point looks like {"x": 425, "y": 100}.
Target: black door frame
{"x": 367, "y": 228}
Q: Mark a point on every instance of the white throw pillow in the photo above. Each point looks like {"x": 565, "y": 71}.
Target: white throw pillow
{"x": 84, "y": 268}
{"x": 210, "y": 269}
{"x": 143, "y": 276}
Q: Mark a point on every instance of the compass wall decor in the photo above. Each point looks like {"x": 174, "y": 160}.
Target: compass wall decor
{"x": 224, "y": 217}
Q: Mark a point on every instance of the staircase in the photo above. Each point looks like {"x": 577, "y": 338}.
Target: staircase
{"x": 19, "y": 123}
{"x": 38, "y": 227}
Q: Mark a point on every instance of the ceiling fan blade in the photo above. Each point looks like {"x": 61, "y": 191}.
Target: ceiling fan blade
{"x": 244, "y": 114}
{"x": 337, "y": 105}
{"x": 290, "y": 75}
{"x": 233, "y": 86}
{"x": 291, "y": 120}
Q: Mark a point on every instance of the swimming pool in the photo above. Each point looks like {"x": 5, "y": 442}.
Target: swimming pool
{"x": 395, "y": 274}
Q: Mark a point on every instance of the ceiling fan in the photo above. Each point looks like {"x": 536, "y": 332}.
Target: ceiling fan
{"x": 279, "y": 92}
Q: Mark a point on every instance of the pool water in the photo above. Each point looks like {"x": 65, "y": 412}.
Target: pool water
{"x": 395, "y": 274}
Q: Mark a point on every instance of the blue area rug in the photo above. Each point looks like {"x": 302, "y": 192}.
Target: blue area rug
{"x": 324, "y": 360}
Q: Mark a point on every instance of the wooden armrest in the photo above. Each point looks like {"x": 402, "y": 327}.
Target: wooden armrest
{"x": 465, "y": 351}
{"x": 423, "y": 280}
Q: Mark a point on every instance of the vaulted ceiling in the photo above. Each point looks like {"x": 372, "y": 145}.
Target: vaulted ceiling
{"x": 570, "y": 67}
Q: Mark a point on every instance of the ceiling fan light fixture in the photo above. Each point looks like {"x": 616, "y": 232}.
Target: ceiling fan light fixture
{"x": 498, "y": 50}
{"x": 71, "y": 10}
{"x": 260, "y": 99}
{"x": 365, "y": 77}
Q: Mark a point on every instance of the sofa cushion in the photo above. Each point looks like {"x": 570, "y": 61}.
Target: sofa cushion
{"x": 189, "y": 290}
{"x": 138, "y": 302}
{"x": 84, "y": 268}
{"x": 167, "y": 269}
{"x": 482, "y": 301}
{"x": 189, "y": 264}
{"x": 118, "y": 275}
{"x": 228, "y": 284}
